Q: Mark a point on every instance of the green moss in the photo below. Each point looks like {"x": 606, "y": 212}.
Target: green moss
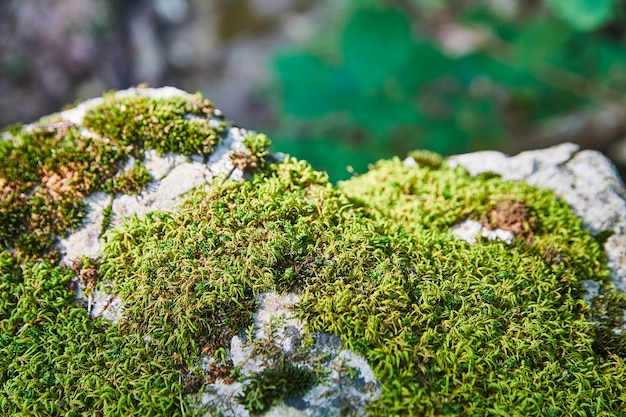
{"x": 56, "y": 360}
{"x": 48, "y": 167}
{"x": 130, "y": 181}
{"x": 272, "y": 385}
{"x": 445, "y": 325}
{"x": 448, "y": 327}
{"x": 107, "y": 217}
{"x": 426, "y": 158}
{"x": 177, "y": 124}
{"x": 254, "y": 158}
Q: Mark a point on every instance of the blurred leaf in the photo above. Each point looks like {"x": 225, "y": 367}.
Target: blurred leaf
{"x": 472, "y": 66}
{"x": 425, "y": 63}
{"x": 312, "y": 88}
{"x": 540, "y": 43}
{"x": 375, "y": 44}
{"x": 445, "y": 138}
{"x": 393, "y": 92}
{"x": 381, "y": 113}
{"x": 610, "y": 59}
{"x": 583, "y": 14}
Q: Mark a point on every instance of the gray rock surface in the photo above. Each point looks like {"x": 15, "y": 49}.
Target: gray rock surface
{"x": 346, "y": 383}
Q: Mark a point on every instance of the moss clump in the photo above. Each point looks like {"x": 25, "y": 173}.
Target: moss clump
{"x": 426, "y": 158}
{"x": 48, "y": 167}
{"x": 56, "y": 360}
{"x": 205, "y": 263}
{"x": 448, "y": 327}
{"x": 177, "y": 124}
{"x": 131, "y": 180}
{"x": 107, "y": 217}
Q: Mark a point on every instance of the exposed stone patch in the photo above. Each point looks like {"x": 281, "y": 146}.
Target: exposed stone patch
{"x": 470, "y": 230}
{"x": 86, "y": 241}
{"x": 346, "y": 381}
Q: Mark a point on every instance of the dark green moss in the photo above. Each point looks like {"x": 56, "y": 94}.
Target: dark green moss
{"x": 46, "y": 169}
{"x": 272, "y": 385}
{"x": 56, "y": 360}
{"x": 130, "y": 181}
{"x": 107, "y": 217}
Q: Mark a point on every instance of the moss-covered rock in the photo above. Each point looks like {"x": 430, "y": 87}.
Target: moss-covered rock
{"x": 372, "y": 265}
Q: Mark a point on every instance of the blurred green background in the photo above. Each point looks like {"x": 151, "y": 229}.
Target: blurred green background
{"x": 447, "y": 76}
{"x": 342, "y": 84}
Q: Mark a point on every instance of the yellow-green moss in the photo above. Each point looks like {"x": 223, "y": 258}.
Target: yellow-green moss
{"x": 176, "y": 124}
{"x": 450, "y": 328}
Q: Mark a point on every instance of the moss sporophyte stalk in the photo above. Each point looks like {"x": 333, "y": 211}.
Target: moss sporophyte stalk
{"x": 449, "y": 328}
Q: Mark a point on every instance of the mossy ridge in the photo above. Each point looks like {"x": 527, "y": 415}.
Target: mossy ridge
{"x": 437, "y": 199}
{"x": 50, "y": 166}
{"x": 177, "y": 124}
{"x": 504, "y": 285}
{"x": 205, "y": 263}
{"x": 448, "y": 327}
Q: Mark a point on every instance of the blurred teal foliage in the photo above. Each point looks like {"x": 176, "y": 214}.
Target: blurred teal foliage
{"x": 376, "y": 81}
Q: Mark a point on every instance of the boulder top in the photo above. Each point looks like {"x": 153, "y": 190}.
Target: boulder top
{"x": 158, "y": 260}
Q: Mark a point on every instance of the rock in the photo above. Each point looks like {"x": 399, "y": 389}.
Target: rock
{"x": 200, "y": 288}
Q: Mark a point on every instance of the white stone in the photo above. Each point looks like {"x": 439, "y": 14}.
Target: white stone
{"x": 337, "y": 388}
{"x": 160, "y": 166}
{"x": 469, "y": 231}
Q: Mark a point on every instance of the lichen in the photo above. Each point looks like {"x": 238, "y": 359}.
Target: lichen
{"x": 449, "y": 328}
